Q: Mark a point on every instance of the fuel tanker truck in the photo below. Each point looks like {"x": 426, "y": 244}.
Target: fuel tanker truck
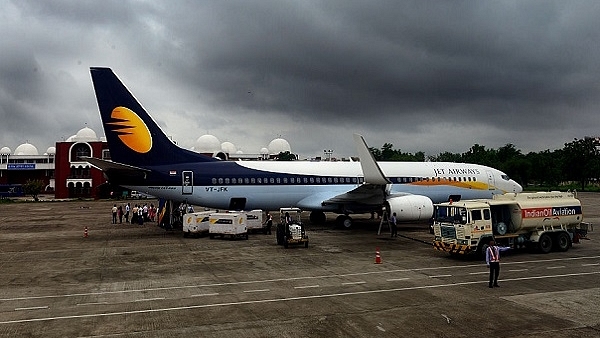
{"x": 544, "y": 221}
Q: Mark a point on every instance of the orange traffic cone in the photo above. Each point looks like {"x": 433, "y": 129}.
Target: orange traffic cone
{"x": 85, "y": 232}
{"x": 377, "y": 256}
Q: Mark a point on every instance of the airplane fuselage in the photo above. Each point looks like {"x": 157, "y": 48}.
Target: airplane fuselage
{"x": 272, "y": 184}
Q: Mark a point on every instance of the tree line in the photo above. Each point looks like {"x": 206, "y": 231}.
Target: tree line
{"x": 578, "y": 161}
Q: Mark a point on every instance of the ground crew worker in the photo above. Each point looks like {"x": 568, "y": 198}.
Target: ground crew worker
{"x": 394, "y": 225}
{"x": 492, "y": 258}
{"x": 269, "y": 223}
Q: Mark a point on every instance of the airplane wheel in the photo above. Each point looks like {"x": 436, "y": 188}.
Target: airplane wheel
{"x": 317, "y": 217}
{"x": 344, "y": 221}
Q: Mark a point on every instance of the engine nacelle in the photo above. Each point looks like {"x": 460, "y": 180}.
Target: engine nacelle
{"x": 410, "y": 207}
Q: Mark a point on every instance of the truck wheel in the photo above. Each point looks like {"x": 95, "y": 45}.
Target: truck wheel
{"x": 545, "y": 243}
{"x": 563, "y": 242}
{"x": 285, "y": 242}
{"x": 306, "y": 244}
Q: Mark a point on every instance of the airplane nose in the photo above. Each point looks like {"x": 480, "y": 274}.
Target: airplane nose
{"x": 517, "y": 186}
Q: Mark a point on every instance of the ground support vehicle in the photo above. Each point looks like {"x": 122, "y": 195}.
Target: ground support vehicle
{"x": 544, "y": 221}
{"x": 196, "y": 223}
{"x": 290, "y": 229}
{"x": 254, "y": 221}
{"x": 232, "y": 225}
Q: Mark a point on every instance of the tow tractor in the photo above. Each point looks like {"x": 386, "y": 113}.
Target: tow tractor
{"x": 290, "y": 230}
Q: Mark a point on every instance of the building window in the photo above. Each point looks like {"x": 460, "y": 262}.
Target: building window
{"x": 80, "y": 150}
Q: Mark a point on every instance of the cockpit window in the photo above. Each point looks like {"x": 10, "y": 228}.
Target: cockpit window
{"x": 505, "y": 177}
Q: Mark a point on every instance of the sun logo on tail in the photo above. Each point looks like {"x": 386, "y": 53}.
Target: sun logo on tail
{"x": 130, "y": 128}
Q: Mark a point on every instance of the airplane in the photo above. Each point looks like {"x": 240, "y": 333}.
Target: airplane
{"x": 143, "y": 158}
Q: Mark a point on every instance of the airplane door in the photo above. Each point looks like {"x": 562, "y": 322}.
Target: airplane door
{"x": 187, "y": 182}
{"x": 491, "y": 181}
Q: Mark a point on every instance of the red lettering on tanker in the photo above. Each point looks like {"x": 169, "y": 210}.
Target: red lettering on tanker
{"x": 537, "y": 212}
{"x": 551, "y": 211}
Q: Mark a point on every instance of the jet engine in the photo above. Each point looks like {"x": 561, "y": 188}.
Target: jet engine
{"x": 410, "y": 207}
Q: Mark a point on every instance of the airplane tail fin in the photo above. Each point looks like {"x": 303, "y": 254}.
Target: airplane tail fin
{"x": 132, "y": 135}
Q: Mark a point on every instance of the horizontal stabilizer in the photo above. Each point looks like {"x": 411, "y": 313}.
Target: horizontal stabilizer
{"x": 105, "y": 165}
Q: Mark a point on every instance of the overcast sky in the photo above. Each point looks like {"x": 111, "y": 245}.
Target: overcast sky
{"x": 431, "y": 76}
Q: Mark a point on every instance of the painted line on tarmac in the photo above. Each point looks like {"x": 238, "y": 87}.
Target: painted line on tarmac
{"x": 479, "y": 273}
{"x": 590, "y": 264}
{"x": 354, "y": 283}
{"x": 293, "y": 279}
{"x": 397, "y": 279}
{"x": 516, "y": 270}
{"x": 205, "y": 294}
{"x": 277, "y": 300}
{"x": 556, "y": 267}
{"x": 440, "y": 276}
{"x": 149, "y": 299}
{"x": 31, "y": 308}
{"x": 306, "y": 286}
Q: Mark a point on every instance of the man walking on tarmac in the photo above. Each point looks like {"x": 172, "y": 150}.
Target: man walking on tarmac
{"x": 492, "y": 258}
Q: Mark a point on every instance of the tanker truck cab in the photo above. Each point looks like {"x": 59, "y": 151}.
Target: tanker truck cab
{"x": 544, "y": 220}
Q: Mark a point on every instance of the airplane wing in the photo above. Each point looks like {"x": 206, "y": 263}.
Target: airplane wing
{"x": 371, "y": 171}
{"x": 372, "y": 192}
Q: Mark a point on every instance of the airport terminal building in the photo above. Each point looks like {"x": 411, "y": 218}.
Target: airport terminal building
{"x": 60, "y": 167}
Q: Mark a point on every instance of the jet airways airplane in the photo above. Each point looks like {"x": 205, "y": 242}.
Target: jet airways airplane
{"x": 143, "y": 158}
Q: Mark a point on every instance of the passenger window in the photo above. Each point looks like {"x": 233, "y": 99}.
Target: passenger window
{"x": 220, "y": 181}
{"x": 227, "y": 181}
{"x": 253, "y": 180}
{"x": 486, "y": 214}
{"x": 214, "y": 181}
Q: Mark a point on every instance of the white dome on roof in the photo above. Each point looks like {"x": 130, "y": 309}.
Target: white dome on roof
{"x": 26, "y": 149}
{"x": 279, "y": 145}
{"x": 207, "y": 144}
{"x": 5, "y": 151}
{"x": 228, "y": 147}
{"x": 71, "y": 138}
{"x": 264, "y": 151}
{"x": 51, "y": 151}
{"x": 85, "y": 135}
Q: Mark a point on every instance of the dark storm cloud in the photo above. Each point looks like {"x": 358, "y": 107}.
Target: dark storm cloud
{"x": 410, "y": 73}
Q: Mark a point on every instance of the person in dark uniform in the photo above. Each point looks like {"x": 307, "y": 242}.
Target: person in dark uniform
{"x": 269, "y": 224}
{"x": 394, "y": 225}
{"x": 492, "y": 258}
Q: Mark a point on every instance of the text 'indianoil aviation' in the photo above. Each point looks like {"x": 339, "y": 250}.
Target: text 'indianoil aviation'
{"x": 143, "y": 158}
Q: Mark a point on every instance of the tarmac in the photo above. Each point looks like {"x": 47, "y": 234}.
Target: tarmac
{"x": 126, "y": 280}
